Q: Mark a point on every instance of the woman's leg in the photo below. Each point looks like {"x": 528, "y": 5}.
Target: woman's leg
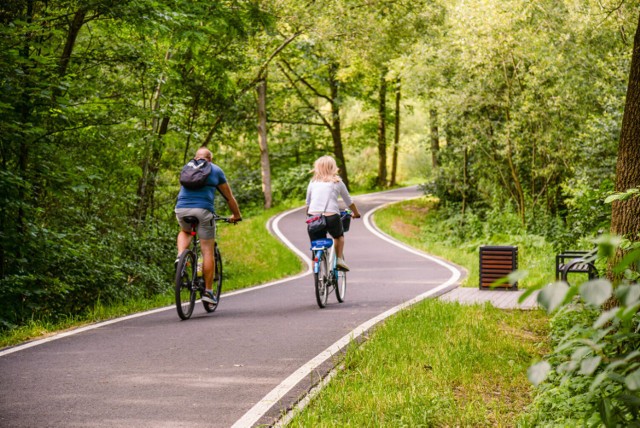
{"x": 339, "y": 243}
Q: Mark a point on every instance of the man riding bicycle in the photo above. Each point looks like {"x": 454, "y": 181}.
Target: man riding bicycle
{"x": 200, "y": 203}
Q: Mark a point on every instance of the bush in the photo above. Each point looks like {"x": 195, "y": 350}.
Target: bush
{"x": 64, "y": 274}
{"x": 592, "y": 377}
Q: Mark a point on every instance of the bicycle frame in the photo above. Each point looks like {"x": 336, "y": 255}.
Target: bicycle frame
{"x": 319, "y": 249}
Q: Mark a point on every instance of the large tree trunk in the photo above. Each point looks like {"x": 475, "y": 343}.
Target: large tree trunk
{"x": 382, "y": 132}
{"x": 625, "y": 215}
{"x": 396, "y": 137}
{"x": 336, "y": 125}
{"x": 265, "y": 167}
{"x": 435, "y": 138}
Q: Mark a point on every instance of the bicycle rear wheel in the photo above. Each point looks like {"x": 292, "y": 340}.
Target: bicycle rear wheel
{"x": 185, "y": 288}
{"x": 341, "y": 286}
{"x": 321, "y": 282}
{"x": 217, "y": 283}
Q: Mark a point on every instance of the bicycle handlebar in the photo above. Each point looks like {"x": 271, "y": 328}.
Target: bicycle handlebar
{"x": 216, "y": 217}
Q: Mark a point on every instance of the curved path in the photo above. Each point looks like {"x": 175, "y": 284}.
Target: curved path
{"x": 241, "y": 366}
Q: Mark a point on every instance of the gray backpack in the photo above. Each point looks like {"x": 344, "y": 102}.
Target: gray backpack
{"x": 195, "y": 173}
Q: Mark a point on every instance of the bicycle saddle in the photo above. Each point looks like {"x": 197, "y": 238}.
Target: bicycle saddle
{"x": 321, "y": 243}
{"x": 191, "y": 220}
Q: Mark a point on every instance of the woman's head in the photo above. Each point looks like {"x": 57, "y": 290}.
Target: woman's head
{"x": 325, "y": 169}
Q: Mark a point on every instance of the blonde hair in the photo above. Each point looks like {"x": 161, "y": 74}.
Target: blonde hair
{"x": 325, "y": 169}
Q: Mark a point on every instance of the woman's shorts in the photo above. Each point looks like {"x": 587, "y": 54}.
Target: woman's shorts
{"x": 334, "y": 227}
{"x": 206, "y": 227}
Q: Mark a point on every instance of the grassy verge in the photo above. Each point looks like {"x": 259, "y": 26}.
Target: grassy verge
{"x": 438, "y": 363}
{"x": 410, "y": 222}
{"x": 251, "y": 256}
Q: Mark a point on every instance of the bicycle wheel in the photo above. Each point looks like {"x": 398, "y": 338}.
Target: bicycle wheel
{"x": 341, "y": 286}
{"x": 321, "y": 280}
{"x": 217, "y": 283}
{"x": 185, "y": 288}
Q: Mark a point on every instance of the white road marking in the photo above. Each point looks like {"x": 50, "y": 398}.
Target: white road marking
{"x": 262, "y": 407}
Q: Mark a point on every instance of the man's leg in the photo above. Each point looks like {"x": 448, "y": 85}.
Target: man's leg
{"x": 208, "y": 261}
{"x": 184, "y": 240}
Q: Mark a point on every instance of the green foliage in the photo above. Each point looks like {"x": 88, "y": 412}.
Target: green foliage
{"x": 593, "y": 371}
{"x": 521, "y": 125}
{"x": 425, "y": 225}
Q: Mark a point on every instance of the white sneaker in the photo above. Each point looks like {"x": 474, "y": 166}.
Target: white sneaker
{"x": 340, "y": 263}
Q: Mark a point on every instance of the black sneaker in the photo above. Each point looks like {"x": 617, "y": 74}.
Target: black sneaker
{"x": 208, "y": 297}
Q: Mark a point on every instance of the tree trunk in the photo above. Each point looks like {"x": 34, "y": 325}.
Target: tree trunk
{"x": 435, "y": 138}
{"x": 336, "y": 125}
{"x": 625, "y": 215}
{"x": 382, "y": 132}
{"x": 396, "y": 137}
{"x": 265, "y": 167}
{"x": 151, "y": 162}
{"x": 72, "y": 35}
{"x": 465, "y": 178}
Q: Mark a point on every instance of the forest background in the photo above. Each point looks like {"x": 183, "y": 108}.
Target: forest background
{"x": 509, "y": 111}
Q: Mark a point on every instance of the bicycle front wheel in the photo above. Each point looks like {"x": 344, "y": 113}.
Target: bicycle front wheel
{"x": 321, "y": 282}
{"x": 341, "y": 286}
{"x": 217, "y": 283}
{"x": 185, "y": 288}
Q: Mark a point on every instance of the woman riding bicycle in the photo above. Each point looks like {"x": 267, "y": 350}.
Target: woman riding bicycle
{"x": 322, "y": 199}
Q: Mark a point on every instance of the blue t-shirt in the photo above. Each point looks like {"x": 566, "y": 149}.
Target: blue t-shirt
{"x": 203, "y": 197}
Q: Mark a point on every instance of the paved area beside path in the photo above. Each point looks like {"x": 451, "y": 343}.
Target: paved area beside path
{"x": 502, "y": 299}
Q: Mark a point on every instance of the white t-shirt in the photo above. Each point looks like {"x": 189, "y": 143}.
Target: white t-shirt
{"x": 321, "y": 194}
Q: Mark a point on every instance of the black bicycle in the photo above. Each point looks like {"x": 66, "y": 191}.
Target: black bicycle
{"x": 188, "y": 281}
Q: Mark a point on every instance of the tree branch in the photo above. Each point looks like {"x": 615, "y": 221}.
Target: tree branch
{"x": 307, "y": 84}
{"x": 303, "y": 98}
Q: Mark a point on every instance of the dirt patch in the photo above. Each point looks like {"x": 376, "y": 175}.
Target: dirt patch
{"x": 404, "y": 229}
{"x": 420, "y": 208}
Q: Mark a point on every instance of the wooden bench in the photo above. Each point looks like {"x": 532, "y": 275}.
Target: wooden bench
{"x": 576, "y": 262}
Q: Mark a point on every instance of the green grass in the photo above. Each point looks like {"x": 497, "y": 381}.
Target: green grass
{"x": 251, "y": 256}
{"x": 410, "y": 222}
{"x": 437, "y": 364}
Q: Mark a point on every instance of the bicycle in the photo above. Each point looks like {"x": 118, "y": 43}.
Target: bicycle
{"x": 327, "y": 280}
{"x": 187, "y": 282}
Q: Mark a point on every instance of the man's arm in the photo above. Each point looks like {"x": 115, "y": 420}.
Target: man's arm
{"x": 231, "y": 201}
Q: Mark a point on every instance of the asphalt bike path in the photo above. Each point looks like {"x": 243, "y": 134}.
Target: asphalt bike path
{"x": 243, "y": 365}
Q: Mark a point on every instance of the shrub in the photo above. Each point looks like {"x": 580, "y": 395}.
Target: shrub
{"x": 592, "y": 376}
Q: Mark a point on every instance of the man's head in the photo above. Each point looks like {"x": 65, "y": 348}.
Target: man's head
{"x": 204, "y": 153}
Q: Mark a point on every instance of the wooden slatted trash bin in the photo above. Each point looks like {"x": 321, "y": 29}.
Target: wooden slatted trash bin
{"x": 497, "y": 262}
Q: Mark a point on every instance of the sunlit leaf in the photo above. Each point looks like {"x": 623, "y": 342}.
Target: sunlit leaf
{"x": 605, "y": 317}
{"x": 596, "y": 292}
{"x": 589, "y": 365}
{"x": 628, "y": 294}
{"x": 607, "y": 245}
{"x": 552, "y": 296}
{"x": 538, "y": 372}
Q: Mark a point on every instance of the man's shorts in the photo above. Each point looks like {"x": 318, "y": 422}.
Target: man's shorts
{"x": 334, "y": 227}
{"x": 206, "y": 227}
